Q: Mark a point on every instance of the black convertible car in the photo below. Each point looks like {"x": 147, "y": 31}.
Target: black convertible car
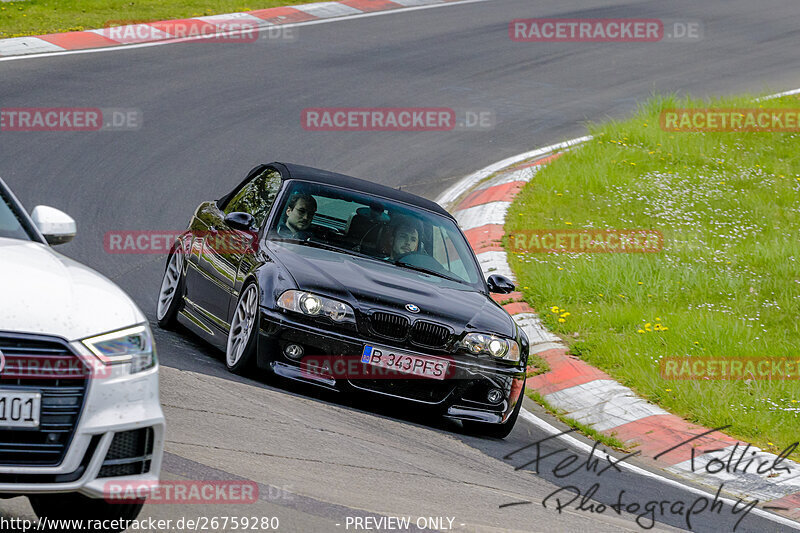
{"x": 349, "y": 285}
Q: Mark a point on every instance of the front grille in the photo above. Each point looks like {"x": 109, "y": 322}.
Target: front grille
{"x": 429, "y": 334}
{"x": 56, "y": 478}
{"x": 389, "y": 325}
{"x": 29, "y": 364}
{"x": 129, "y": 454}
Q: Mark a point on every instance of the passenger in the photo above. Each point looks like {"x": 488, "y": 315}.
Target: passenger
{"x": 405, "y": 233}
{"x": 299, "y": 214}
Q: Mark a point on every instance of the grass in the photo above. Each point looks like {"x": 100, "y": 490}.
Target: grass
{"x": 37, "y": 17}
{"x": 726, "y": 284}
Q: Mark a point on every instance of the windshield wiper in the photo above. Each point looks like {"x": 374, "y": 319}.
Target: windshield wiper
{"x": 427, "y": 271}
{"x": 323, "y": 245}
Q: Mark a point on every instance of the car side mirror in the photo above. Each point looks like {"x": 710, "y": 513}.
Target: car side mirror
{"x": 240, "y": 220}
{"x": 500, "y": 284}
{"x": 56, "y": 226}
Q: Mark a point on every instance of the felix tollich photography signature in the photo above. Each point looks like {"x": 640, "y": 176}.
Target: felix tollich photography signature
{"x": 647, "y": 512}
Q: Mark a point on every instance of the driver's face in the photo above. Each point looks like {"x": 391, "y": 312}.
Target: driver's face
{"x": 406, "y": 241}
{"x": 299, "y": 218}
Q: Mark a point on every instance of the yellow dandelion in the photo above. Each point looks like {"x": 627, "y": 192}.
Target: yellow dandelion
{"x": 668, "y": 390}
{"x": 658, "y": 319}
{"x": 647, "y": 327}
{"x": 554, "y": 309}
{"x": 568, "y": 223}
{"x": 639, "y": 331}
{"x": 696, "y": 342}
{"x": 565, "y": 315}
{"x": 640, "y": 283}
{"x": 561, "y": 320}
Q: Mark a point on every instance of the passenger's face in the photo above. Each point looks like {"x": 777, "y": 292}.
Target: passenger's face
{"x": 406, "y": 241}
{"x": 299, "y": 218}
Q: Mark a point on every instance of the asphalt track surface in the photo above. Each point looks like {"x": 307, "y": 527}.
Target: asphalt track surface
{"x": 214, "y": 110}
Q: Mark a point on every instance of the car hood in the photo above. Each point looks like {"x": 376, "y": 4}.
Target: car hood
{"x": 44, "y": 292}
{"x": 374, "y": 285}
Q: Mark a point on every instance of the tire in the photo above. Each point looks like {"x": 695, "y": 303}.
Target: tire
{"x": 170, "y": 295}
{"x": 74, "y": 506}
{"x": 240, "y": 351}
{"x": 497, "y": 431}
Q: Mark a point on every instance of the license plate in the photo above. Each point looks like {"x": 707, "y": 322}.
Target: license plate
{"x": 20, "y": 409}
{"x": 418, "y": 365}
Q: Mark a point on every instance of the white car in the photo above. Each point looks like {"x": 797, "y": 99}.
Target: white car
{"x": 79, "y": 403}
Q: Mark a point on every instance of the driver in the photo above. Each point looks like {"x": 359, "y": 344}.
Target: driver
{"x": 300, "y": 212}
{"x": 405, "y": 233}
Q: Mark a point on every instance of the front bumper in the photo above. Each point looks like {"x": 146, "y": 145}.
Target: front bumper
{"x": 462, "y": 395}
{"x": 115, "y": 402}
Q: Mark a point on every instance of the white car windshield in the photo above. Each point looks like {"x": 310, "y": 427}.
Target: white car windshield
{"x": 10, "y": 225}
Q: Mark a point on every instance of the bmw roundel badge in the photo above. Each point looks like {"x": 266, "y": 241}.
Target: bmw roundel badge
{"x": 412, "y": 308}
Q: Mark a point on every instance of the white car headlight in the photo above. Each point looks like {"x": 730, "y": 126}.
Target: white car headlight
{"x": 497, "y": 347}
{"x": 314, "y": 305}
{"x": 134, "y": 345}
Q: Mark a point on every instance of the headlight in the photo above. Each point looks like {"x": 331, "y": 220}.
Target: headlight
{"x": 497, "y": 347}
{"x": 134, "y": 345}
{"x": 314, "y": 305}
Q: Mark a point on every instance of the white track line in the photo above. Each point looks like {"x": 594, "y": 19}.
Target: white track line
{"x": 452, "y": 194}
{"x": 239, "y": 32}
{"x": 575, "y": 443}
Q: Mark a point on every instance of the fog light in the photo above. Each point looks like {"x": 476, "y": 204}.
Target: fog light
{"x": 494, "y": 395}
{"x": 293, "y": 351}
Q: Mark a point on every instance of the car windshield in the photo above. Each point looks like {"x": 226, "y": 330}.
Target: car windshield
{"x": 10, "y": 225}
{"x": 359, "y": 224}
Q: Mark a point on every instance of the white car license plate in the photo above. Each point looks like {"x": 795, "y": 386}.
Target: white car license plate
{"x": 418, "y": 365}
{"x": 20, "y": 409}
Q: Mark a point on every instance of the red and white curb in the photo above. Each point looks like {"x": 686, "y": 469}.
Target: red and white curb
{"x": 207, "y": 27}
{"x": 590, "y": 396}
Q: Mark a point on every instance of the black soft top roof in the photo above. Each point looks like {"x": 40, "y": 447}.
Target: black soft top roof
{"x": 300, "y": 172}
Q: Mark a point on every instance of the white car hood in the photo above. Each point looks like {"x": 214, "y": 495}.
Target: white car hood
{"x": 44, "y": 292}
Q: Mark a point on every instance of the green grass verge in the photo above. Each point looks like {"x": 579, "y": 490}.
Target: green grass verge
{"x": 38, "y": 17}
{"x": 727, "y": 283}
